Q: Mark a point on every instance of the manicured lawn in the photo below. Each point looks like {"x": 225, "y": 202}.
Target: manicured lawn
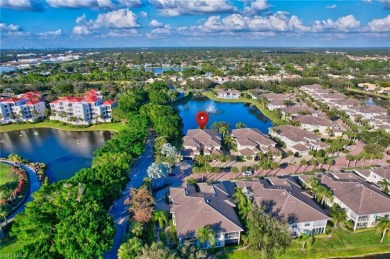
{"x": 118, "y": 126}
{"x": 265, "y": 111}
{"x": 342, "y": 244}
{"x": 11, "y": 248}
{"x": 6, "y": 174}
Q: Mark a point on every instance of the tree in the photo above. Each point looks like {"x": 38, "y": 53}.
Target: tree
{"x": 223, "y": 130}
{"x": 229, "y": 141}
{"x": 158, "y": 171}
{"x": 266, "y": 233}
{"x": 384, "y": 184}
{"x": 337, "y": 214}
{"x": 234, "y": 170}
{"x": 206, "y": 234}
{"x": 383, "y": 225}
{"x": 244, "y": 204}
{"x": 189, "y": 251}
{"x": 240, "y": 125}
{"x": 304, "y": 238}
{"x": 159, "y": 216}
{"x": 131, "y": 249}
{"x": 141, "y": 203}
{"x": 137, "y": 229}
{"x": 156, "y": 250}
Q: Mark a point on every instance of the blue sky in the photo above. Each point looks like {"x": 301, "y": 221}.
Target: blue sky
{"x": 170, "y": 23}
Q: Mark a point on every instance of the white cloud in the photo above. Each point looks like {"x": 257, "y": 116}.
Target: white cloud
{"x": 81, "y": 30}
{"x": 256, "y": 6}
{"x": 9, "y": 27}
{"x": 162, "y": 32}
{"x": 143, "y": 14}
{"x": 367, "y": 1}
{"x": 122, "y": 18}
{"x": 333, "y": 6}
{"x": 343, "y": 24}
{"x": 72, "y": 3}
{"x": 50, "y": 33}
{"x": 122, "y": 33}
{"x": 81, "y": 19}
{"x": 379, "y": 25}
{"x": 106, "y": 4}
{"x": 155, "y": 23}
{"x": 180, "y": 7}
{"x": 23, "y": 5}
{"x": 131, "y": 3}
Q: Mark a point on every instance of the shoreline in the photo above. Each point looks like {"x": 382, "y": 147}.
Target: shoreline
{"x": 114, "y": 127}
{"x": 275, "y": 120}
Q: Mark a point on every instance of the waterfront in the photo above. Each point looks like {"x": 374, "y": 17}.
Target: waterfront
{"x": 64, "y": 152}
{"x": 6, "y": 69}
{"x": 221, "y": 111}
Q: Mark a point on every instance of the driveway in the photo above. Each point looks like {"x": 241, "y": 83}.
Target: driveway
{"x": 119, "y": 210}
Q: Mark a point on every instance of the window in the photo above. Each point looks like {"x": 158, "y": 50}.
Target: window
{"x": 307, "y": 224}
{"x": 294, "y": 226}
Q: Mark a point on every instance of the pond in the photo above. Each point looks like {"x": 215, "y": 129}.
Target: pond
{"x": 221, "y": 111}
{"x": 64, "y": 152}
{"x": 6, "y": 69}
{"x": 160, "y": 70}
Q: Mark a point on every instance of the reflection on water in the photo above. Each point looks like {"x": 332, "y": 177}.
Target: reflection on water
{"x": 230, "y": 112}
{"x": 65, "y": 152}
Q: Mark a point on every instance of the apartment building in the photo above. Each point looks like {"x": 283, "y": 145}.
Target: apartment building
{"x": 251, "y": 141}
{"x": 364, "y": 204}
{"x": 85, "y": 110}
{"x": 24, "y": 107}
{"x": 198, "y": 141}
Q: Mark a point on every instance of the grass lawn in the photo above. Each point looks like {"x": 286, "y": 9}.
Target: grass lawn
{"x": 117, "y": 126}
{"x": 6, "y": 174}
{"x": 342, "y": 244}
{"x": 11, "y": 247}
{"x": 265, "y": 111}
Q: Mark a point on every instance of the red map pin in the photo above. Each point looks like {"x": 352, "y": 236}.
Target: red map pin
{"x": 202, "y": 118}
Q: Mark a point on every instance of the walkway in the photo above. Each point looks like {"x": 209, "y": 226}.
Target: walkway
{"x": 118, "y": 210}
{"x": 34, "y": 186}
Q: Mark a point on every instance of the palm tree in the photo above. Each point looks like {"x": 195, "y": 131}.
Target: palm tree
{"x": 159, "y": 216}
{"x": 383, "y": 225}
{"x": 229, "y": 141}
{"x": 337, "y": 214}
{"x": 240, "y": 125}
{"x": 206, "y": 234}
{"x": 223, "y": 130}
{"x": 349, "y": 158}
{"x": 384, "y": 184}
{"x": 137, "y": 228}
{"x": 244, "y": 204}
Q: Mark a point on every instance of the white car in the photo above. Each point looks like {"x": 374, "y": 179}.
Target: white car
{"x": 247, "y": 173}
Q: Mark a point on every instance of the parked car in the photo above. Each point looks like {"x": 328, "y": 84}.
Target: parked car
{"x": 247, "y": 173}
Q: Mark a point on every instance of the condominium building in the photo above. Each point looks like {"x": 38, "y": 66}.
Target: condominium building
{"x": 82, "y": 110}
{"x": 24, "y": 107}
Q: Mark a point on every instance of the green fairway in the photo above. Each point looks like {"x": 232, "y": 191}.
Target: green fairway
{"x": 265, "y": 111}
{"x": 10, "y": 248}
{"x": 6, "y": 174}
{"x": 341, "y": 244}
{"x": 118, "y": 126}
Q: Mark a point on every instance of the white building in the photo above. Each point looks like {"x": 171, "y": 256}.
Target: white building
{"x": 363, "y": 203}
{"x": 82, "y": 110}
{"x": 25, "y": 107}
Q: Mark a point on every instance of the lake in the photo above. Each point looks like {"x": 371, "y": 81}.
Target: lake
{"x": 64, "y": 152}
{"x": 160, "y": 70}
{"x": 6, "y": 69}
{"x": 221, "y": 111}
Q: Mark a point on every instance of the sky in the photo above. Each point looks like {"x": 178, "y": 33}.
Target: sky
{"x": 194, "y": 23}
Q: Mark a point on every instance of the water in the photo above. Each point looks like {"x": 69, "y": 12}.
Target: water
{"x": 6, "y": 69}
{"x": 160, "y": 70}
{"x": 220, "y": 111}
{"x": 370, "y": 102}
{"x": 64, "y": 152}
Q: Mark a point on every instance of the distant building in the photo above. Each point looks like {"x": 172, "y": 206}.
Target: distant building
{"x": 25, "y": 107}
{"x": 228, "y": 94}
{"x": 211, "y": 207}
{"x": 298, "y": 140}
{"x": 199, "y": 141}
{"x": 85, "y": 110}
{"x": 323, "y": 125}
{"x": 375, "y": 175}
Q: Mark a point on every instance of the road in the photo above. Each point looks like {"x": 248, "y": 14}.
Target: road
{"x": 34, "y": 186}
{"x": 118, "y": 210}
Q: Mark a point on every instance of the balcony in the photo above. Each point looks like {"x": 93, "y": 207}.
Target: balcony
{"x": 363, "y": 218}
